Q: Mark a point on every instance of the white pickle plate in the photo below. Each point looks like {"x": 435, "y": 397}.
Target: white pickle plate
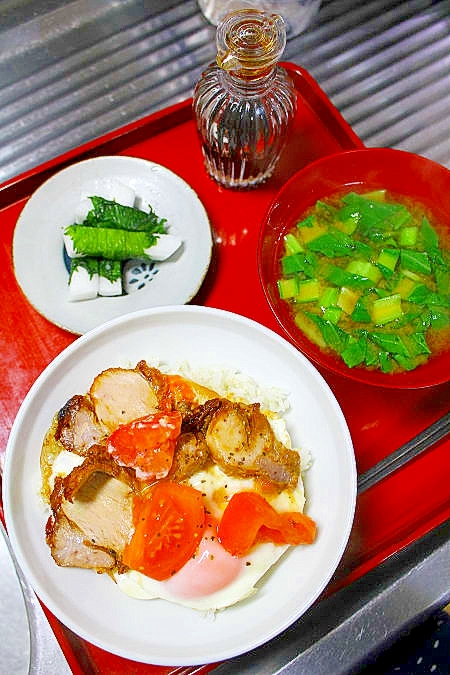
{"x": 38, "y": 258}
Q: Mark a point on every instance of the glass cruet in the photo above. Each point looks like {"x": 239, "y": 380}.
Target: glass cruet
{"x": 245, "y": 102}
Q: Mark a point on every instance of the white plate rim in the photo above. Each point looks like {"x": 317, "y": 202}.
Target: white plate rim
{"x": 179, "y": 278}
{"x": 202, "y": 314}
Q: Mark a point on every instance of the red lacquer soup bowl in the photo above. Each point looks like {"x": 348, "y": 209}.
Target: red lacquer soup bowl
{"x": 400, "y": 173}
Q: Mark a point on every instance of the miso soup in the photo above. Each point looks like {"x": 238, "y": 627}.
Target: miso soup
{"x": 367, "y": 278}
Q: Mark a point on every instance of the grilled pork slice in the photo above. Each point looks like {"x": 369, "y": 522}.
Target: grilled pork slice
{"x": 75, "y": 428}
{"x": 157, "y": 380}
{"x": 122, "y": 395}
{"x": 92, "y": 515}
{"x": 70, "y": 548}
{"x": 191, "y": 455}
{"x": 241, "y": 440}
{"x": 78, "y": 427}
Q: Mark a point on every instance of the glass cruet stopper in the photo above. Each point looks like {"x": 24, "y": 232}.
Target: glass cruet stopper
{"x": 245, "y": 102}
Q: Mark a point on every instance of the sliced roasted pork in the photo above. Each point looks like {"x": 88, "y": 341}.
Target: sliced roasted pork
{"x": 78, "y": 427}
{"x": 158, "y": 381}
{"x": 92, "y": 507}
{"x": 191, "y": 455}
{"x": 70, "y": 547}
{"x": 122, "y": 395}
{"x": 241, "y": 440}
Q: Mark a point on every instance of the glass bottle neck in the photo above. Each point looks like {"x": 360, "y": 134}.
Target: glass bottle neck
{"x": 248, "y": 83}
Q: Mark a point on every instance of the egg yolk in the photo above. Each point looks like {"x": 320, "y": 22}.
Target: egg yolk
{"x": 211, "y": 569}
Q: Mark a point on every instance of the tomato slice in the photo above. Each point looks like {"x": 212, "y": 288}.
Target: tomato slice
{"x": 147, "y": 444}
{"x": 173, "y": 390}
{"x": 180, "y": 389}
{"x": 249, "y": 519}
{"x": 169, "y": 521}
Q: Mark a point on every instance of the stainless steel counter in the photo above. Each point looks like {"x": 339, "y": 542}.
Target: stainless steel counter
{"x": 71, "y": 71}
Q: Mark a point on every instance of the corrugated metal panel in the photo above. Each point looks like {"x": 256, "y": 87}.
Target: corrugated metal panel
{"x": 386, "y": 66}
{"x": 70, "y": 72}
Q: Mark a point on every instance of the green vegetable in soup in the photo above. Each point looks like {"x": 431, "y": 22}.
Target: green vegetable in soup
{"x": 367, "y": 277}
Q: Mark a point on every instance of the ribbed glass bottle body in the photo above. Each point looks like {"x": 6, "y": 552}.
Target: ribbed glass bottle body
{"x": 243, "y": 123}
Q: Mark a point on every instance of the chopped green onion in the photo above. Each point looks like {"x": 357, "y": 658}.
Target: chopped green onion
{"x": 385, "y": 310}
{"x": 288, "y": 288}
{"x": 332, "y": 244}
{"x": 389, "y": 342}
{"x": 329, "y": 297}
{"x": 373, "y": 277}
{"x": 364, "y": 269}
{"x": 308, "y": 290}
{"x": 428, "y": 235}
{"x": 291, "y": 264}
{"x": 405, "y": 361}
{"x": 292, "y": 244}
{"x": 347, "y": 299}
{"x": 439, "y": 317}
{"x": 348, "y": 219}
{"x": 386, "y": 363}
{"x": 388, "y": 258}
{"x": 442, "y": 276}
{"x": 332, "y": 314}
{"x": 309, "y": 328}
{"x": 417, "y": 344}
{"x": 376, "y": 195}
{"x": 420, "y": 294}
{"x": 299, "y": 262}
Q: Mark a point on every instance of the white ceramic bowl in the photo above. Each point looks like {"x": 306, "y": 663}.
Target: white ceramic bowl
{"x": 38, "y": 249}
{"x": 156, "y": 631}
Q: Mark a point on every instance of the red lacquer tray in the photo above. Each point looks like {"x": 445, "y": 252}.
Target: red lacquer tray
{"x": 392, "y": 513}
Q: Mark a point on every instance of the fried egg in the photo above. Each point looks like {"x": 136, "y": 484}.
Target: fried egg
{"x": 214, "y": 579}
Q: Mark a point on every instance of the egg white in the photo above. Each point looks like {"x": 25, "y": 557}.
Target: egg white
{"x": 64, "y": 464}
{"x": 256, "y": 564}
